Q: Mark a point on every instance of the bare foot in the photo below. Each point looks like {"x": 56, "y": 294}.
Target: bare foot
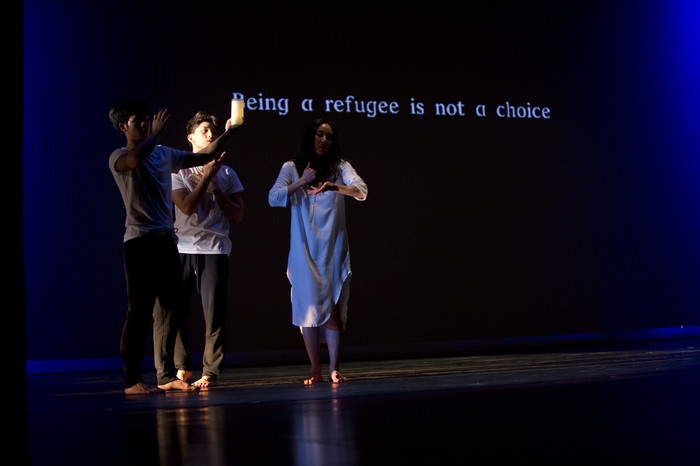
{"x": 142, "y": 389}
{"x": 205, "y": 382}
{"x": 336, "y": 377}
{"x": 176, "y": 384}
{"x": 313, "y": 379}
{"x": 183, "y": 374}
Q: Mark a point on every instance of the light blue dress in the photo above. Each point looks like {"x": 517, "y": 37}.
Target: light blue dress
{"x": 318, "y": 267}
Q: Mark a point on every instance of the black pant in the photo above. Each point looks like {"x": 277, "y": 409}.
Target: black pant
{"x": 152, "y": 267}
{"x": 207, "y": 274}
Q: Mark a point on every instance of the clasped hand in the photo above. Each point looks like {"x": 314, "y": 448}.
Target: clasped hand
{"x": 208, "y": 172}
{"x": 309, "y": 175}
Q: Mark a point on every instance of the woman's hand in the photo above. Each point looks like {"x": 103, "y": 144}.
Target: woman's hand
{"x": 306, "y": 177}
{"x": 351, "y": 190}
{"x": 327, "y": 186}
{"x": 309, "y": 174}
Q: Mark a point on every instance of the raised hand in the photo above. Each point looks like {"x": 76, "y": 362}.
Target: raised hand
{"x": 309, "y": 174}
{"x": 228, "y": 124}
{"x": 160, "y": 121}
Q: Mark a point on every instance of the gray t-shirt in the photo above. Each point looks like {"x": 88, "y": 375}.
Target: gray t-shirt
{"x": 147, "y": 191}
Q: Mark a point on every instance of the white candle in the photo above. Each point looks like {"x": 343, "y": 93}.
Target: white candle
{"x": 236, "y": 111}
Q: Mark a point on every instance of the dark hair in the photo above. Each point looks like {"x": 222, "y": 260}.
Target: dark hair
{"x": 199, "y": 118}
{"x": 327, "y": 167}
{"x": 122, "y": 110}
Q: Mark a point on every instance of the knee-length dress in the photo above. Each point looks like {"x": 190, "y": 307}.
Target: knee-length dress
{"x": 318, "y": 267}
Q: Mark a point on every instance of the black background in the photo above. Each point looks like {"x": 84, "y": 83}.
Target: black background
{"x": 475, "y": 228}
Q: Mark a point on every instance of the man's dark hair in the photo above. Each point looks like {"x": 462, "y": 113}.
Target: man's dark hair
{"x": 199, "y": 118}
{"x": 122, "y": 110}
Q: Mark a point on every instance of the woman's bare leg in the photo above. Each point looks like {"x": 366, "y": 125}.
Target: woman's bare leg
{"x": 333, "y": 333}
{"x": 312, "y": 341}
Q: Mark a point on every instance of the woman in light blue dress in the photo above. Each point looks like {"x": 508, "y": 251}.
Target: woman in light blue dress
{"x": 314, "y": 185}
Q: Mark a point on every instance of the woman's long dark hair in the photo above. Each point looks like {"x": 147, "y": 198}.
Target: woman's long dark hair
{"x": 328, "y": 166}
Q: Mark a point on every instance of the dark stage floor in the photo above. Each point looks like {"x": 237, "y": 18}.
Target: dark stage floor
{"x": 624, "y": 404}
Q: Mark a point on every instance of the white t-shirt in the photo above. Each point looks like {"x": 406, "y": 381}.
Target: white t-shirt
{"x": 206, "y": 231}
{"x": 147, "y": 190}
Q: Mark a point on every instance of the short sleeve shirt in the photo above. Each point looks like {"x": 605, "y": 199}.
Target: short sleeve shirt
{"x": 147, "y": 191}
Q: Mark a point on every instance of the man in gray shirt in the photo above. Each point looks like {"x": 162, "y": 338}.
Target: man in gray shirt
{"x": 142, "y": 171}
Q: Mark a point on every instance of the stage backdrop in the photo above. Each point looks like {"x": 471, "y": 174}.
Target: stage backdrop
{"x": 532, "y": 169}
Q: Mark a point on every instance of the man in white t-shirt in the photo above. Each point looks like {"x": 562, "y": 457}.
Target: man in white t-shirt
{"x": 207, "y": 200}
{"x": 142, "y": 171}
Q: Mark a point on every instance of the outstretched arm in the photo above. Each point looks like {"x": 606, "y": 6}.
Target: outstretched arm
{"x": 213, "y": 150}
{"x": 352, "y": 191}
